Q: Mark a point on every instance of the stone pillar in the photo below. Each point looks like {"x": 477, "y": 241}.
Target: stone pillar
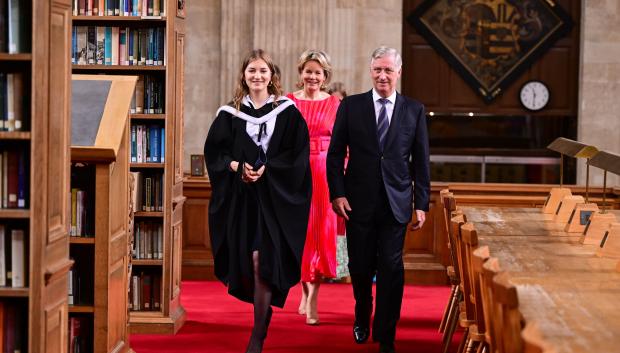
{"x": 202, "y": 73}
{"x": 599, "y": 93}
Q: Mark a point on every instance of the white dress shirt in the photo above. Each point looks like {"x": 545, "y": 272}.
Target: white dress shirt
{"x": 389, "y": 107}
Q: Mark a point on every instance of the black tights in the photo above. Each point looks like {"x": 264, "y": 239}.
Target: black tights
{"x": 262, "y": 310}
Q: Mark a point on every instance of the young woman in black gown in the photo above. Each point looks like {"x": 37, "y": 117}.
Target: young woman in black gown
{"x": 257, "y": 157}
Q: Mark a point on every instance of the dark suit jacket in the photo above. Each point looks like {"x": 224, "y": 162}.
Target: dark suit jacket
{"x": 405, "y": 158}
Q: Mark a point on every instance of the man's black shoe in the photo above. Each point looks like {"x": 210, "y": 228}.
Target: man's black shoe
{"x": 360, "y": 334}
{"x": 386, "y": 347}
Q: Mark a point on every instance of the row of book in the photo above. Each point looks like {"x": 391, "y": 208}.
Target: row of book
{"x": 13, "y": 177}
{"x": 13, "y": 103}
{"x": 14, "y": 26}
{"x": 148, "y": 96}
{"x": 148, "y": 143}
{"x": 81, "y": 282}
{"x": 119, "y": 8}
{"x": 13, "y": 326}
{"x": 118, "y": 46}
{"x": 82, "y": 214}
{"x": 148, "y": 241}
{"x": 145, "y": 292}
{"x": 13, "y": 257}
{"x": 149, "y": 192}
{"x": 80, "y": 336}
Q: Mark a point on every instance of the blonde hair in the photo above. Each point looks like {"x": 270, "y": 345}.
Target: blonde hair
{"x": 274, "y": 87}
{"x": 321, "y": 58}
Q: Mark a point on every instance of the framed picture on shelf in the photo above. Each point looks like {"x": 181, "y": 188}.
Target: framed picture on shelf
{"x": 181, "y": 8}
{"x": 490, "y": 43}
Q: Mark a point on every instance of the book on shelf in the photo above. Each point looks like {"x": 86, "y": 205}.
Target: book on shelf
{"x": 13, "y": 102}
{"x": 148, "y": 143}
{"x": 143, "y": 8}
{"x": 148, "y": 97}
{"x": 125, "y": 46}
{"x": 14, "y": 178}
{"x": 148, "y": 240}
{"x": 81, "y": 214}
{"x": 149, "y": 193}
{"x": 79, "y": 335}
{"x": 145, "y": 292}
{"x": 13, "y": 255}
{"x": 2, "y": 258}
{"x": 13, "y": 325}
{"x": 14, "y": 26}
{"x": 70, "y": 288}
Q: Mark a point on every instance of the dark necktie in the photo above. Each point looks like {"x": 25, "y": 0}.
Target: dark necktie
{"x": 382, "y": 123}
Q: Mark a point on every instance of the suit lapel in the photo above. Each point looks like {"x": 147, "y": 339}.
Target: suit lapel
{"x": 371, "y": 119}
{"x": 395, "y": 122}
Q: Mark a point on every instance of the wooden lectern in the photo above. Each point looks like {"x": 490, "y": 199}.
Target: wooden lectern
{"x": 100, "y": 158}
{"x": 553, "y": 204}
{"x": 600, "y": 222}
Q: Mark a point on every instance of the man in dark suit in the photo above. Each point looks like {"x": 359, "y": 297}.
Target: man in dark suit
{"x": 387, "y": 142}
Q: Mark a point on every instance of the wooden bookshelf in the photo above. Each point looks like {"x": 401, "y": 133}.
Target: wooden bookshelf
{"x": 113, "y": 68}
{"x": 148, "y": 116}
{"x": 7, "y": 292}
{"x": 171, "y": 315}
{"x": 43, "y": 47}
{"x": 7, "y": 213}
{"x": 119, "y": 19}
{"x": 15, "y": 57}
{"x": 106, "y": 180}
{"x": 15, "y": 135}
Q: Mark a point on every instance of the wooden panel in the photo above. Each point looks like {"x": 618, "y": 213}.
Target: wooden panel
{"x": 177, "y": 234}
{"x": 554, "y": 68}
{"x": 58, "y": 123}
{"x": 429, "y": 92}
{"x": 197, "y": 255}
{"x": 178, "y": 106}
{"x": 445, "y": 91}
{"x": 56, "y": 323}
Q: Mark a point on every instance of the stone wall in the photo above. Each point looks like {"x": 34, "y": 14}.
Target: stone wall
{"x": 599, "y": 92}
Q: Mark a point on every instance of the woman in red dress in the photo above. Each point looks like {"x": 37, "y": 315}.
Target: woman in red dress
{"x": 319, "y": 110}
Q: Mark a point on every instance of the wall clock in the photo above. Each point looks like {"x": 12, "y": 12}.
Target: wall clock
{"x": 534, "y": 95}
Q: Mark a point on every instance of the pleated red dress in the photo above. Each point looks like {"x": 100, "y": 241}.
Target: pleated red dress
{"x": 319, "y": 256}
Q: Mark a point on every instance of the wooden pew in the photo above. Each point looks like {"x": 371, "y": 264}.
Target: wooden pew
{"x": 490, "y": 269}
{"x": 476, "y": 333}
{"x": 447, "y": 207}
{"x": 511, "y": 322}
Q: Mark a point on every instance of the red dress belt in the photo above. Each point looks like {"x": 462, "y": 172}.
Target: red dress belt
{"x": 319, "y": 144}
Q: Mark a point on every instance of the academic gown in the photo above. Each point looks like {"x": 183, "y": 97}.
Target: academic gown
{"x": 274, "y": 210}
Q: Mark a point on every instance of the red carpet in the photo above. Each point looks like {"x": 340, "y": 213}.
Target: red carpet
{"x": 218, "y": 323}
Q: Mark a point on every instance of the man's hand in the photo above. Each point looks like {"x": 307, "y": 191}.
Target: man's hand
{"x": 250, "y": 175}
{"x": 420, "y": 219}
{"x": 340, "y": 205}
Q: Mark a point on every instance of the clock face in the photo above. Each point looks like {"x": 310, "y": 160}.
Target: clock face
{"x": 534, "y": 95}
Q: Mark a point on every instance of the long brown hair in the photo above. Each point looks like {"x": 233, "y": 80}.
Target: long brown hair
{"x": 242, "y": 89}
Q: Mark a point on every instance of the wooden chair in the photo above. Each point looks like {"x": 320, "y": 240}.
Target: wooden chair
{"x": 479, "y": 257}
{"x": 476, "y": 332}
{"x": 448, "y": 205}
{"x": 511, "y": 321}
{"x": 490, "y": 269}
{"x": 466, "y": 317}
{"x": 454, "y": 314}
{"x": 533, "y": 341}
